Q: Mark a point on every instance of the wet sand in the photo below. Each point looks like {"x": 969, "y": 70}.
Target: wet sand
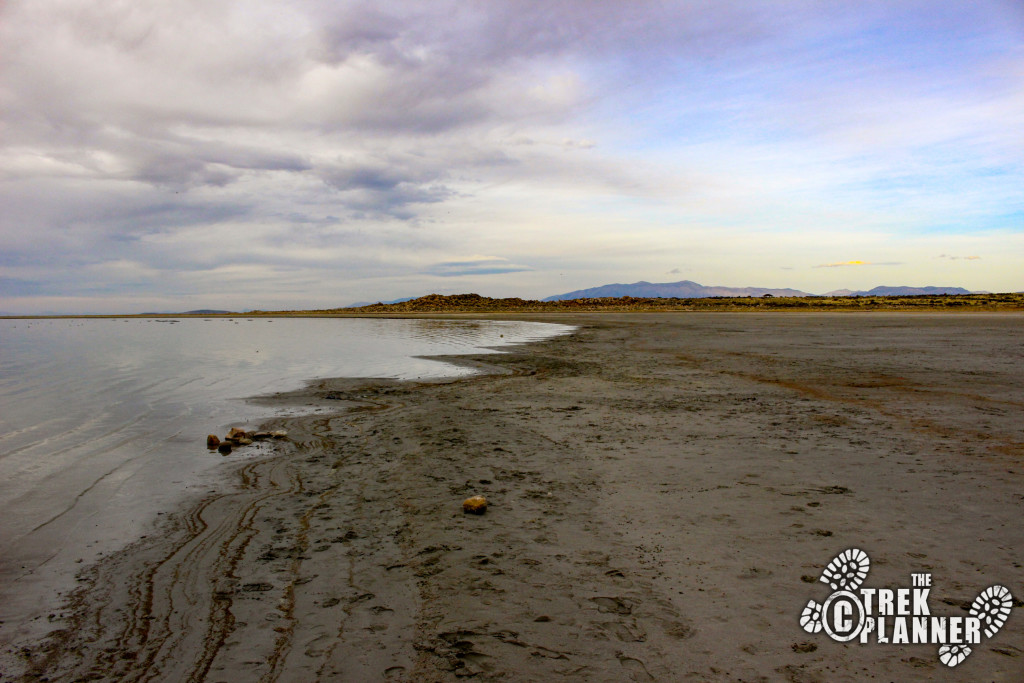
{"x": 664, "y": 491}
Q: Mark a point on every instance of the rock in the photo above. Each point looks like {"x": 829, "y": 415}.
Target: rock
{"x": 224, "y": 448}
{"x": 279, "y": 434}
{"x": 212, "y": 442}
{"x": 237, "y": 433}
{"x": 243, "y": 441}
{"x": 477, "y": 505}
{"x": 261, "y": 435}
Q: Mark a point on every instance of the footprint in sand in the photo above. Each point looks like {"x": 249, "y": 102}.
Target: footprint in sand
{"x": 637, "y": 670}
{"x": 626, "y": 633}
{"x": 613, "y": 605}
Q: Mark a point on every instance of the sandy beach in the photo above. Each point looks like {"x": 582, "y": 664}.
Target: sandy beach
{"x": 664, "y": 492}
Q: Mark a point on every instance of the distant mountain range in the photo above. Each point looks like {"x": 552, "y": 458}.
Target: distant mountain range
{"x": 360, "y": 304}
{"x": 201, "y": 311}
{"x": 902, "y": 291}
{"x": 687, "y": 289}
{"x": 684, "y": 289}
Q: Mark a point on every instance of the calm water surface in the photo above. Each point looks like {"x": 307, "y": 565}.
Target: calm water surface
{"x": 103, "y": 422}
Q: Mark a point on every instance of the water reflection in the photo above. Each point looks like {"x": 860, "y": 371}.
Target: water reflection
{"x": 104, "y": 421}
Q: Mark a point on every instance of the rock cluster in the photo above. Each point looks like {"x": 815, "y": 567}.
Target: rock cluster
{"x": 239, "y": 437}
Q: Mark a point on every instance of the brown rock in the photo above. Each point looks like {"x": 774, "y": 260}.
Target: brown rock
{"x": 224, "y": 448}
{"x": 243, "y": 441}
{"x": 261, "y": 435}
{"x": 279, "y": 434}
{"x": 236, "y": 433}
{"x": 212, "y": 442}
{"x": 477, "y": 505}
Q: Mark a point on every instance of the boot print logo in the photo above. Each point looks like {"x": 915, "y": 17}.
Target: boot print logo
{"x": 900, "y": 616}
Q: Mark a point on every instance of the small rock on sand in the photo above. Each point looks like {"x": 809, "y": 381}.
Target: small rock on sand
{"x": 477, "y": 505}
{"x": 224, "y": 448}
{"x": 212, "y": 442}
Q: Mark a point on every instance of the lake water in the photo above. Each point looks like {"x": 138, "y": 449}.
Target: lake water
{"x": 103, "y": 421}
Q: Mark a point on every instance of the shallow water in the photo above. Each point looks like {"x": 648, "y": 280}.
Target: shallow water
{"x": 103, "y": 421}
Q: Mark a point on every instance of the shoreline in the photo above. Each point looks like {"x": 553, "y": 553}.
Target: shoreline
{"x": 660, "y": 485}
{"x": 474, "y": 305}
{"x": 540, "y": 315}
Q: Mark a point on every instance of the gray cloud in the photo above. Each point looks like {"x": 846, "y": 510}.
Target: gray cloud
{"x": 16, "y": 287}
{"x": 482, "y": 266}
{"x": 388, "y": 188}
{"x": 192, "y": 138}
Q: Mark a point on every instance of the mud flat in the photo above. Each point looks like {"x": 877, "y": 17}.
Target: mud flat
{"x": 664, "y": 490}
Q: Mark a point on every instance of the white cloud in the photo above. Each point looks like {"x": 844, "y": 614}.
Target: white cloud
{"x": 180, "y": 147}
{"x": 844, "y": 264}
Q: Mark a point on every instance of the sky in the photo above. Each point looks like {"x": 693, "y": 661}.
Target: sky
{"x": 185, "y": 154}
